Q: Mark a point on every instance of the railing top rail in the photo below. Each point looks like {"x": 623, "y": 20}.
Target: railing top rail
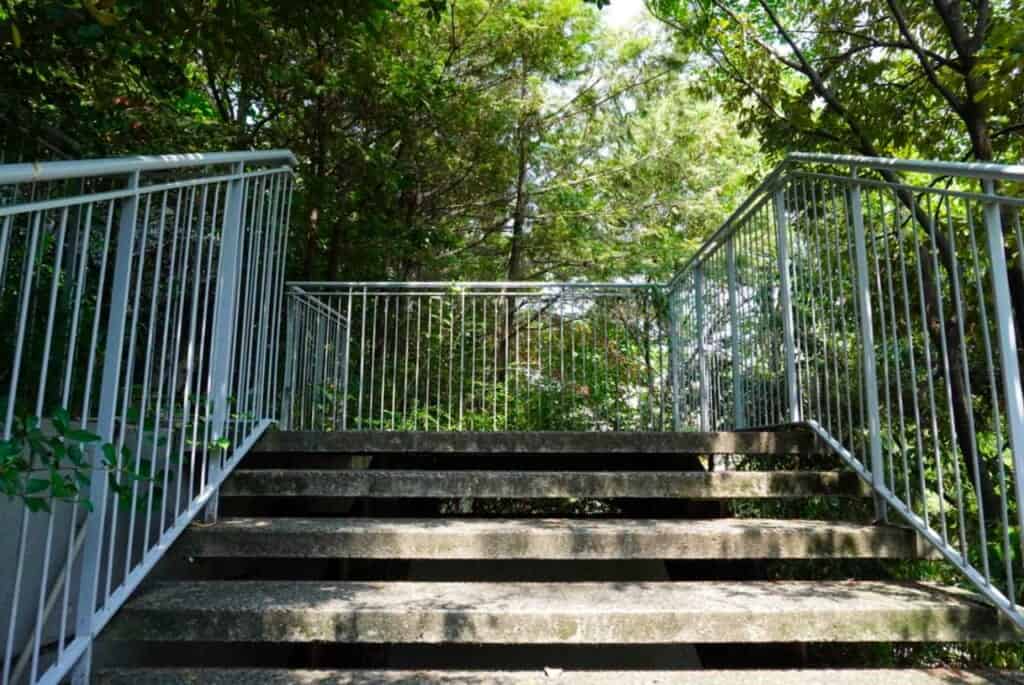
{"x": 978, "y": 170}
{"x": 319, "y": 287}
{"x": 53, "y": 171}
{"x": 984, "y": 170}
{"x": 725, "y": 230}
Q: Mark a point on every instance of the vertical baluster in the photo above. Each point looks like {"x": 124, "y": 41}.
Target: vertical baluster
{"x": 867, "y": 344}
{"x": 786, "y": 303}
{"x": 1008, "y": 343}
{"x": 109, "y": 390}
{"x": 225, "y": 316}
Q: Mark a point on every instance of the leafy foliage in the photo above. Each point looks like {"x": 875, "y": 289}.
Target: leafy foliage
{"x": 881, "y": 77}
{"x": 436, "y": 141}
{"x": 52, "y": 461}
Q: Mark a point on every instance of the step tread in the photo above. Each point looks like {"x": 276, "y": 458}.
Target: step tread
{"x": 372, "y": 538}
{"x": 543, "y": 442}
{"x": 541, "y": 484}
{"x": 564, "y": 613}
{"x": 232, "y": 676}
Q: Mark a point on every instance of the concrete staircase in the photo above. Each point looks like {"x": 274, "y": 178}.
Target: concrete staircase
{"x": 376, "y": 542}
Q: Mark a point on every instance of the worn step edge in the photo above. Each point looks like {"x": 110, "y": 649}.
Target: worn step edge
{"x": 556, "y": 613}
{"x": 357, "y": 538}
{"x": 239, "y": 676}
{"x": 546, "y": 442}
{"x": 542, "y": 484}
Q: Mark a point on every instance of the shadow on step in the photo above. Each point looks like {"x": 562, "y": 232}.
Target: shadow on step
{"x": 533, "y": 657}
{"x": 530, "y": 570}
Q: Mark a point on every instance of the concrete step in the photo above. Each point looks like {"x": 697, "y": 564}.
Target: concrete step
{"x": 541, "y": 484}
{"x": 555, "y": 613}
{"x": 548, "y": 442}
{"x": 551, "y": 676}
{"x": 547, "y": 539}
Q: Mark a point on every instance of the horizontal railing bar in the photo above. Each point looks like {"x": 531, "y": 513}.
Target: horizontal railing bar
{"x": 113, "y": 166}
{"x": 1006, "y": 172}
{"x": 109, "y": 195}
{"x": 946, "y": 192}
{"x": 492, "y": 285}
{"x": 483, "y": 294}
{"x": 972, "y": 169}
{"x": 730, "y": 225}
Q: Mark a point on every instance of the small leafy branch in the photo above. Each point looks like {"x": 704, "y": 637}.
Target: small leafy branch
{"x": 40, "y": 464}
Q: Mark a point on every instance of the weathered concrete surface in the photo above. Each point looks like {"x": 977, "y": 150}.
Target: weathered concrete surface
{"x": 547, "y": 539}
{"x": 553, "y": 676}
{"x": 541, "y": 484}
{"x": 555, "y": 613}
{"x": 550, "y": 442}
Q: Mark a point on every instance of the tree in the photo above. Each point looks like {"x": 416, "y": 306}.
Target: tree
{"x": 938, "y": 79}
{"x": 444, "y": 140}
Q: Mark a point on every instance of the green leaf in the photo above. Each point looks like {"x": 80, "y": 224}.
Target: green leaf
{"x": 35, "y": 504}
{"x": 35, "y": 485}
{"x": 61, "y": 420}
{"x": 80, "y": 435}
{"x": 60, "y": 488}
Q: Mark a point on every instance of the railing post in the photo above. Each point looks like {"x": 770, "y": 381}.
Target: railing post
{"x": 291, "y": 345}
{"x": 786, "y": 304}
{"x": 222, "y": 342}
{"x": 867, "y": 339}
{"x": 348, "y": 341}
{"x": 702, "y": 362}
{"x": 1007, "y": 345}
{"x": 92, "y": 549}
{"x": 673, "y": 356}
{"x": 738, "y": 400}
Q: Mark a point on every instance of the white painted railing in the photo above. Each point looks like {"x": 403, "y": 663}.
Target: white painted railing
{"x": 142, "y": 300}
{"x": 476, "y": 356}
{"x": 873, "y": 301}
{"x": 877, "y": 302}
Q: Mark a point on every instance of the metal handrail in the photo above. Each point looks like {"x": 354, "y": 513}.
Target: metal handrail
{"x": 116, "y": 166}
{"x": 146, "y": 309}
{"x": 475, "y": 356}
{"x": 978, "y": 170}
{"x": 843, "y": 303}
{"x": 327, "y": 286}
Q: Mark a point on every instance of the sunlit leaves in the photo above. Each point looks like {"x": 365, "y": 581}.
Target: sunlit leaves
{"x": 47, "y": 461}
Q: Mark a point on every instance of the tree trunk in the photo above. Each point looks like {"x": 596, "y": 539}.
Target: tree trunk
{"x": 515, "y": 257}
{"x": 958, "y": 372}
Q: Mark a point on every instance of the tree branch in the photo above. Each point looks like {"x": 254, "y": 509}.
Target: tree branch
{"x": 933, "y": 77}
